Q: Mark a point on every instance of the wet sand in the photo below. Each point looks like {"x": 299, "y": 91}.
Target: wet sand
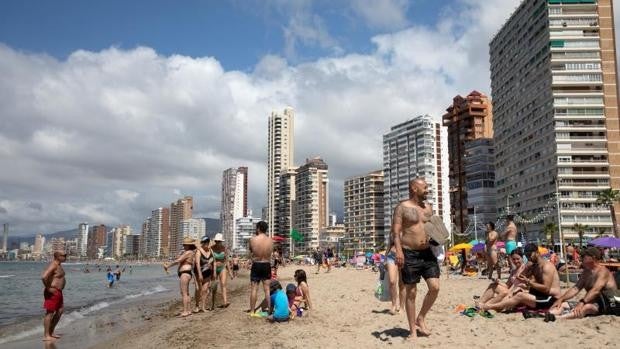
{"x": 347, "y": 315}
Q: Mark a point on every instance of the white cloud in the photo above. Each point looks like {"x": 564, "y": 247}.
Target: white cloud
{"x": 382, "y": 14}
{"x": 75, "y": 131}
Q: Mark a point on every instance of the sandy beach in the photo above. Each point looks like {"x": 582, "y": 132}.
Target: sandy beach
{"x": 347, "y": 315}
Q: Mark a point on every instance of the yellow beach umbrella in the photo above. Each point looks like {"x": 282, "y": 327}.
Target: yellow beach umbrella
{"x": 462, "y": 246}
{"x": 543, "y": 250}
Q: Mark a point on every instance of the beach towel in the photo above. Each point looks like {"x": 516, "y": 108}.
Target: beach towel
{"x": 436, "y": 230}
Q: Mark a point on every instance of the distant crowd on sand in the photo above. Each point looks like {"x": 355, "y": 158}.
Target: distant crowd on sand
{"x": 210, "y": 265}
{"x": 533, "y": 284}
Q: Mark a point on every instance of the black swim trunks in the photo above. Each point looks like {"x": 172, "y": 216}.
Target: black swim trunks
{"x": 235, "y": 267}
{"x": 543, "y": 301}
{"x": 419, "y": 263}
{"x": 260, "y": 271}
{"x": 608, "y": 303}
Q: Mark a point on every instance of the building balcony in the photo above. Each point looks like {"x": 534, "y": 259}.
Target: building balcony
{"x": 581, "y": 138}
{"x": 582, "y": 150}
{"x": 585, "y": 174}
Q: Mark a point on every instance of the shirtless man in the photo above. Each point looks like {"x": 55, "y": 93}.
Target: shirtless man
{"x": 544, "y": 289}
{"x": 491, "y": 250}
{"x": 54, "y": 282}
{"x": 413, "y": 253}
{"x": 261, "y": 248}
{"x": 235, "y": 266}
{"x": 510, "y": 236}
{"x": 597, "y": 280}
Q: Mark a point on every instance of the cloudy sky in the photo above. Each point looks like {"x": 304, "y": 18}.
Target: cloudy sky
{"x": 111, "y": 109}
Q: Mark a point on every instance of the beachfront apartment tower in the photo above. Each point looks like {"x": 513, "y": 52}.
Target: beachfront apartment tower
{"x": 311, "y": 203}
{"x": 555, "y": 110}
{"x": 119, "y": 239}
{"x": 467, "y": 118}
{"x": 157, "y": 233}
{"x": 234, "y": 202}
{"x": 5, "y": 237}
{"x": 97, "y": 238}
{"x": 411, "y": 149}
{"x": 280, "y": 157}
{"x": 363, "y": 213}
{"x": 194, "y": 228}
{"x": 83, "y": 239}
{"x": 479, "y": 166}
{"x": 245, "y": 227}
{"x": 180, "y": 210}
{"x": 286, "y": 208}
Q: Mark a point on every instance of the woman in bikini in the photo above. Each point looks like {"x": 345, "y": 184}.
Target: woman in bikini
{"x": 220, "y": 255}
{"x": 186, "y": 264}
{"x": 397, "y": 288}
{"x": 498, "y": 290}
{"x": 303, "y": 291}
{"x": 205, "y": 271}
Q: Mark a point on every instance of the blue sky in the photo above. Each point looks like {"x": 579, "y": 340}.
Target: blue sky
{"x": 237, "y": 33}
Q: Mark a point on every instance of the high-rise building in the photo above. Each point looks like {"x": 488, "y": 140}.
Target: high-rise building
{"x": 5, "y": 237}
{"x": 363, "y": 212}
{"x": 311, "y": 202}
{"x": 39, "y": 242}
{"x": 145, "y": 234}
{"x": 331, "y": 237}
{"x": 479, "y": 168}
{"x": 96, "y": 239}
{"x": 281, "y": 149}
{"x": 245, "y": 229}
{"x": 416, "y": 148}
{"x": 468, "y": 118}
{"x": 119, "y": 240}
{"x": 58, "y": 245}
{"x": 286, "y": 207}
{"x": 179, "y": 211}
{"x": 71, "y": 247}
{"x": 555, "y": 110}
{"x": 194, "y": 228}
{"x": 234, "y": 202}
{"x": 158, "y": 233}
{"x": 132, "y": 245}
{"x": 82, "y": 239}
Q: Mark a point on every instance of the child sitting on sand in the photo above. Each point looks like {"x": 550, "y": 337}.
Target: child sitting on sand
{"x": 293, "y": 304}
{"x": 303, "y": 291}
{"x": 279, "y": 311}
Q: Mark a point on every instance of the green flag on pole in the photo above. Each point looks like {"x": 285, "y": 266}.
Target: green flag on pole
{"x": 295, "y": 235}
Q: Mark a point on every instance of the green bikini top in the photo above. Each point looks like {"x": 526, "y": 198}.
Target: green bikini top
{"x": 219, "y": 256}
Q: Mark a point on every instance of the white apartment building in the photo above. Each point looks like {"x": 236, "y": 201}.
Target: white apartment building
{"x": 286, "y": 208}
{"x": 363, "y": 213}
{"x": 194, "y": 228}
{"x": 280, "y": 158}
{"x": 311, "y": 202}
{"x": 82, "y": 239}
{"x": 416, "y": 148}
{"x": 553, "y": 80}
{"x": 234, "y": 201}
{"x": 245, "y": 228}
{"x": 119, "y": 239}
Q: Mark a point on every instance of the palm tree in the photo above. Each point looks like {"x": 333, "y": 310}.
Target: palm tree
{"x": 580, "y": 228}
{"x": 600, "y": 232}
{"x": 608, "y": 198}
{"x": 549, "y": 230}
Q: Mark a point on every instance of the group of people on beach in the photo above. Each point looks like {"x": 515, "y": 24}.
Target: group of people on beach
{"x": 533, "y": 283}
{"x": 210, "y": 265}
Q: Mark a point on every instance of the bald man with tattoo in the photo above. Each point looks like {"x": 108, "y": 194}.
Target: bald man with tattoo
{"x": 413, "y": 253}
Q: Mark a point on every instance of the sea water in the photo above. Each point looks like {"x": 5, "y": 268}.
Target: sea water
{"x": 85, "y": 294}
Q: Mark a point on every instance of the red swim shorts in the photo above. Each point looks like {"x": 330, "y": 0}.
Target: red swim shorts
{"x": 53, "y": 301}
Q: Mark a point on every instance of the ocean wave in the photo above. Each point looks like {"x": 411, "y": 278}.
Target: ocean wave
{"x": 6, "y": 276}
{"x": 156, "y": 289}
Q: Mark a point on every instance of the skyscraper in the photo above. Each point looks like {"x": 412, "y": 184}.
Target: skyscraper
{"x": 415, "y": 148}
{"x": 555, "y": 108}
{"x": 311, "y": 202}
{"x": 5, "y": 237}
{"x": 280, "y": 158}
{"x": 179, "y": 211}
{"x": 39, "y": 242}
{"x": 96, "y": 239}
{"x": 467, "y": 119}
{"x": 286, "y": 207}
{"x": 83, "y": 239}
{"x": 234, "y": 202}
{"x": 158, "y": 233}
{"x": 363, "y": 212}
{"x": 194, "y": 228}
{"x": 119, "y": 240}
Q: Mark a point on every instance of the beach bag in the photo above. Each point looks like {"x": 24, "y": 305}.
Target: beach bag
{"x": 382, "y": 290}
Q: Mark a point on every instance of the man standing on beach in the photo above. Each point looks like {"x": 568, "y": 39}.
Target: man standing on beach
{"x": 510, "y": 236}
{"x": 413, "y": 253}
{"x": 261, "y": 248}
{"x": 54, "y": 282}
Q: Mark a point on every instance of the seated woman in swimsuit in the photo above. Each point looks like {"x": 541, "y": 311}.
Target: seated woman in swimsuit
{"x": 303, "y": 291}
{"x": 205, "y": 271}
{"x": 220, "y": 255}
{"x": 498, "y": 290}
{"x": 186, "y": 264}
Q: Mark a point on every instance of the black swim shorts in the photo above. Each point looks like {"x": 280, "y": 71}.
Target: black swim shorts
{"x": 260, "y": 271}
{"x": 544, "y": 302}
{"x": 608, "y": 303}
{"x": 419, "y": 263}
